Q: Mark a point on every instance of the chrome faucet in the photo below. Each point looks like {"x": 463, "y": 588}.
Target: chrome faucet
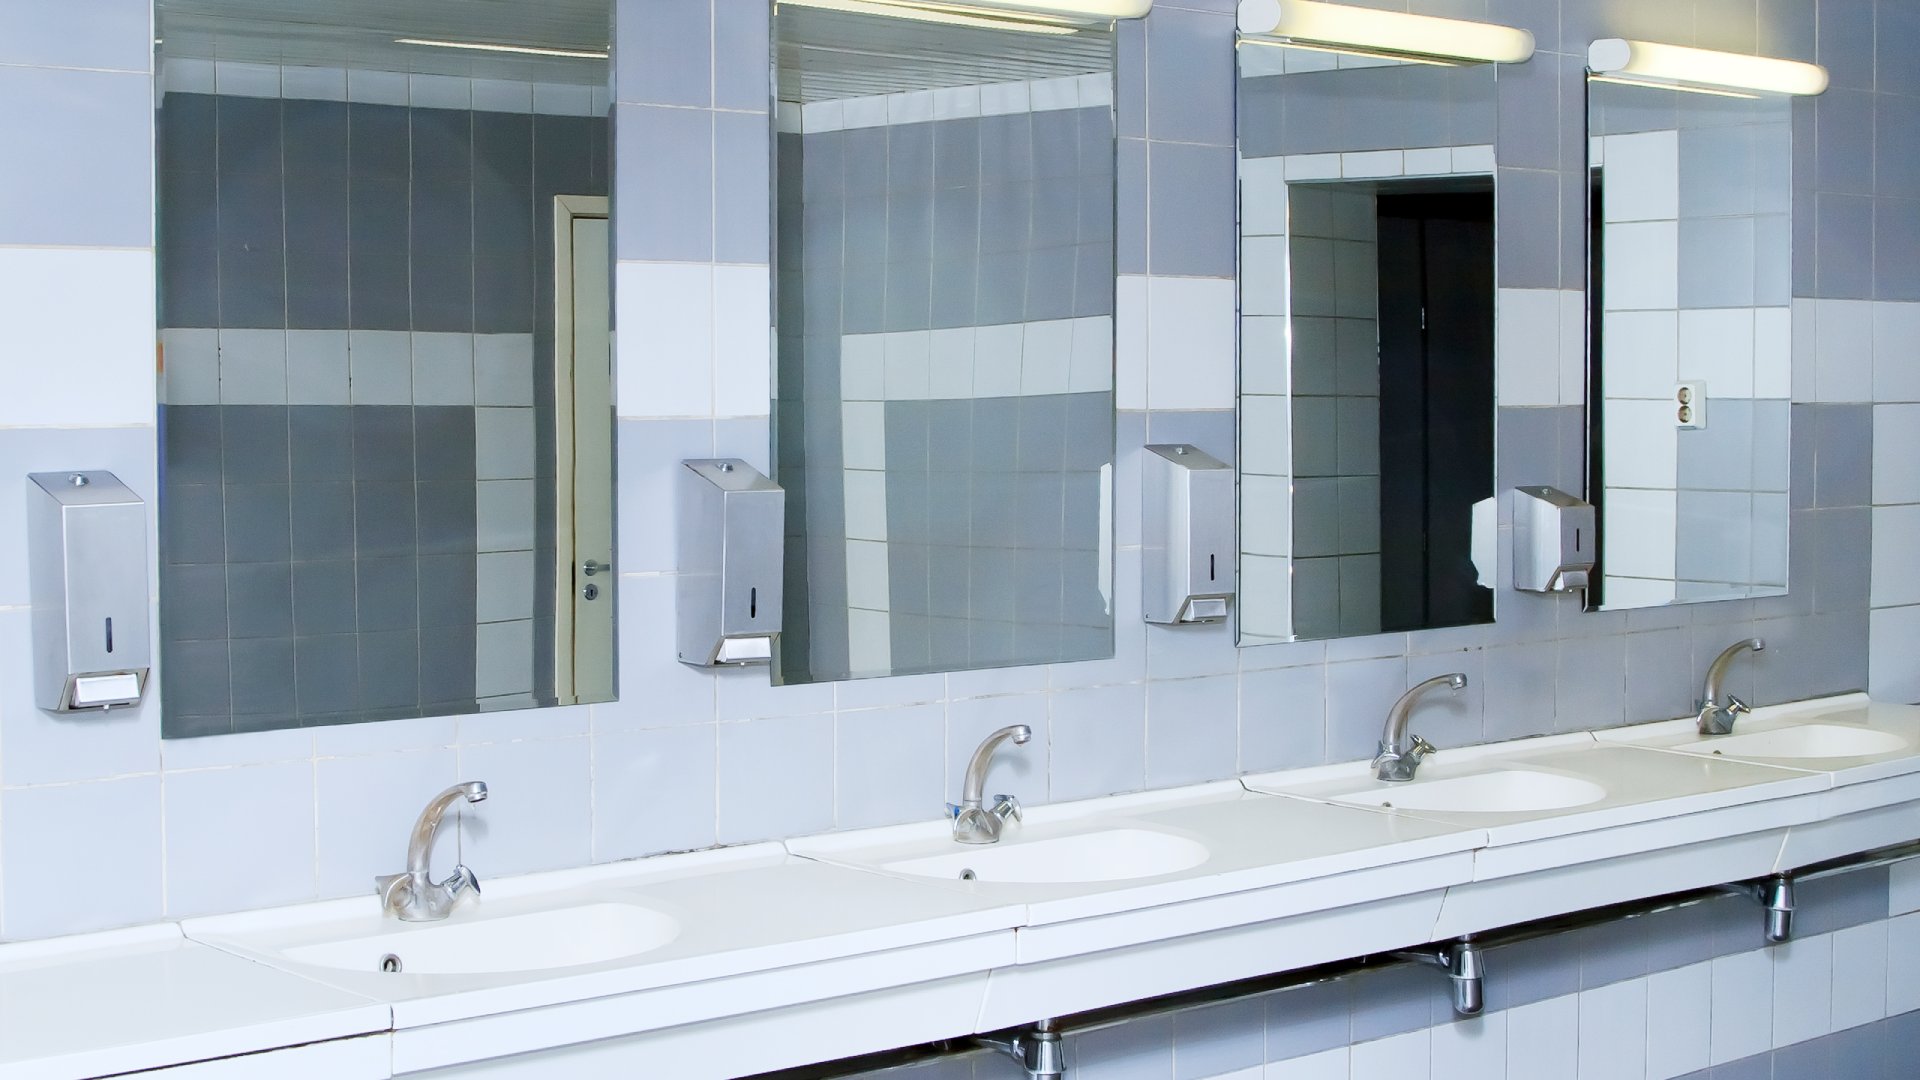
{"x": 1717, "y": 714}
{"x": 974, "y": 822}
{"x": 1400, "y": 753}
{"x": 413, "y": 896}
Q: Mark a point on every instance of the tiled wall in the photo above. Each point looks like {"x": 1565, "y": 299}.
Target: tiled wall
{"x": 690, "y": 758}
{"x": 354, "y": 297}
{"x": 1685, "y": 992}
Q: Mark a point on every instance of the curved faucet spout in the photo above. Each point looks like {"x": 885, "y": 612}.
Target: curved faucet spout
{"x": 973, "y": 790}
{"x": 1717, "y": 711}
{"x": 974, "y": 823}
{"x": 420, "y": 841}
{"x": 1400, "y": 753}
{"x": 413, "y": 896}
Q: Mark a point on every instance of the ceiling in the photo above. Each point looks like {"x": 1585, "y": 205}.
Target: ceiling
{"x": 828, "y": 55}
{"x": 360, "y": 34}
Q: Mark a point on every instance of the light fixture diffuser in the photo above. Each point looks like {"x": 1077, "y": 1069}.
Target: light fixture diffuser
{"x": 1682, "y": 67}
{"x": 1033, "y": 16}
{"x": 1383, "y": 33}
{"x": 522, "y": 50}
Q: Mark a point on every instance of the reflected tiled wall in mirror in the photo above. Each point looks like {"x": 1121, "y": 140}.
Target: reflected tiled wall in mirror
{"x": 357, "y": 287}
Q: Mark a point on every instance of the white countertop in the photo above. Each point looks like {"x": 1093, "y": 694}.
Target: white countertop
{"x": 220, "y": 986}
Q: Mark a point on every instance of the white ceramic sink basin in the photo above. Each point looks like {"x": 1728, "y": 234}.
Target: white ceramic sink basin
{"x": 535, "y": 941}
{"x": 1801, "y": 741}
{"x": 1106, "y": 855}
{"x": 1503, "y": 791}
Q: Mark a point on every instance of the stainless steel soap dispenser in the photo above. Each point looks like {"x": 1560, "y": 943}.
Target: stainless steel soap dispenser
{"x": 732, "y": 546}
{"x": 1553, "y": 540}
{"x": 1186, "y": 537}
{"x": 87, "y": 558}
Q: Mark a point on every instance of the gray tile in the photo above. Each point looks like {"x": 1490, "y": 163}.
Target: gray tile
{"x": 253, "y": 288}
{"x": 1529, "y": 258}
{"x": 741, "y": 142}
{"x": 447, "y": 517}
{"x": 254, "y": 444}
{"x": 1529, "y": 115}
{"x": 1846, "y": 44}
{"x": 447, "y": 590}
{"x": 1219, "y": 1039}
{"x": 1842, "y": 541}
{"x": 193, "y": 603}
{"x": 314, "y": 152}
{"x": 447, "y": 666}
{"x": 666, "y": 156}
{"x": 89, "y": 134}
{"x": 197, "y": 679}
{"x": 1131, "y": 197}
{"x": 1309, "y": 1019}
{"x": 317, "y": 286}
{"x": 388, "y": 593}
{"x": 1896, "y": 253}
{"x": 262, "y": 680}
{"x": 442, "y": 293}
{"x": 1130, "y": 83}
{"x": 323, "y": 598}
{"x": 741, "y": 33}
{"x": 379, "y": 290}
{"x": 1136, "y": 1050}
{"x": 194, "y": 526}
{"x": 383, "y": 445}
{"x": 665, "y": 56}
{"x": 321, "y": 443}
{"x": 1717, "y": 262}
{"x": 1006, "y": 149}
{"x": 441, "y": 151}
{"x": 1838, "y": 901}
{"x": 192, "y": 445}
{"x": 390, "y": 669}
{"x": 443, "y": 443}
{"x": 1393, "y": 1000}
{"x": 1844, "y": 225}
{"x": 1190, "y": 76}
{"x": 257, "y": 519}
{"x": 322, "y": 520}
{"x": 384, "y": 519}
{"x": 1533, "y": 970}
{"x": 1192, "y": 210}
{"x": 260, "y": 600}
{"x": 379, "y": 137}
{"x": 326, "y": 675}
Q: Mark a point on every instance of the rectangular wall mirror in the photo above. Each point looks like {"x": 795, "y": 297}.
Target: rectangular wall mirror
{"x": 1367, "y": 212}
{"x": 944, "y": 308}
{"x": 387, "y": 402}
{"x": 1690, "y": 342}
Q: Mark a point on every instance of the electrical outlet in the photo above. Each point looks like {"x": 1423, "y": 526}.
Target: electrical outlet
{"x": 1690, "y": 405}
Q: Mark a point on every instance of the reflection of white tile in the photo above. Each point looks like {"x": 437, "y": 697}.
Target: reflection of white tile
{"x": 503, "y": 586}
{"x": 869, "y": 641}
{"x": 1263, "y": 354}
{"x": 866, "y": 504}
{"x": 1640, "y": 351}
{"x": 1095, "y": 89}
{"x": 1372, "y": 163}
{"x": 863, "y": 434}
{"x": 1091, "y": 369}
{"x": 1357, "y": 357}
{"x": 1266, "y": 437}
{"x": 503, "y": 443}
{"x": 1266, "y": 597}
{"x": 1046, "y": 357}
{"x": 1473, "y": 159}
{"x": 956, "y": 102}
{"x": 1773, "y": 352}
{"x": 1642, "y": 177}
{"x": 381, "y": 367}
{"x": 503, "y": 658}
{"x": 439, "y": 92}
{"x": 193, "y": 366}
{"x": 442, "y": 369}
{"x": 998, "y": 99}
{"x": 253, "y": 367}
{"x": 1642, "y": 443}
{"x": 376, "y": 87}
{"x": 910, "y": 107}
{"x": 1896, "y": 339}
{"x": 1048, "y": 94}
{"x": 1429, "y": 161}
{"x": 563, "y": 99}
{"x": 1629, "y": 592}
{"x": 950, "y": 364}
{"x": 317, "y": 367}
{"x": 863, "y": 367}
{"x": 1716, "y": 346}
{"x": 313, "y": 83}
{"x": 908, "y": 353}
{"x": 1263, "y": 196}
{"x": 1266, "y": 515}
{"x": 1263, "y": 275}
{"x": 996, "y": 360}
{"x": 502, "y": 95}
{"x": 867, "y": 582}
{"x": 1640, "y": 532}
{"x": 1313, "y": 167}
{"x": 503, "y": 369}
{"x": 238, "y": 79}
{"x": 503, "y": 515}
{"x": 1641, "y": 267}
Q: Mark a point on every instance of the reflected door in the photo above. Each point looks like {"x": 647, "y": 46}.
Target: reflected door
{"x": 583, "y": 370}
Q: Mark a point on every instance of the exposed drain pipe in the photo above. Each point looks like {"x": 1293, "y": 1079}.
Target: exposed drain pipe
{"x": 1776, "y": 895}
{"x": 1038, "y": 1051}
{"x": 1465, "y": 965}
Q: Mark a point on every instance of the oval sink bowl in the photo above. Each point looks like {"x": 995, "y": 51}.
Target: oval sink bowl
{"x": 1107, "y": 855}
{"x": 1803, "y": 741}
{"x": 1507, "y": 791}
{"x": 563, "y": 937}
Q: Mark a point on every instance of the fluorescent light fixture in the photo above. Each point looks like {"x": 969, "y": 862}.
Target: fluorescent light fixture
{"x": 1278, "y": 44}
{"x": 1680, "y": 67}
{"x": 524, "y": 50}
{"x": 1028, "y": 16}
{"x": 1711, "y": 91}
{"x": 1383, "y": 33}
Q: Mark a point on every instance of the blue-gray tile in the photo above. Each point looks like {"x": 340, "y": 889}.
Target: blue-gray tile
{"x": 664, "y": 53}
{"x": 741, "y": 142}
{"x": 442, "y": 293}
{"x": 326, "y": 675}
{"x": 447, "y": 663}
{"x": 390, "y": 669}
{"x": 254, "y": 444}
{"x": 1838, "y": 901}
{"x": 260, "y": 599}
{"x": 387, "y": 593}
{"x": 384, "y": 518}
{"x": 666, "y": 166}
{"x": 1219, "y": 1039}
{"x": 88, "y": 134}
{"x": 322, "y": 520}
{"x": 193, "y": 602}
{"x": 378, "y": 140}
{"x": 1896, "y": 253}
{"x": 262, "y": 680}
{"x": 446, "y": 590}
{"x": 314, "y": 150}
{"x": 193, "y": 530}
{"x": 1529, "y": 258}
{"x": 1190, "y": 76}
{"x": 1192, "y": 210}
{"x": 1844, "y": 225}
{"x": 447, "y": 522}
{"x": 197, "y": 678}
{"x": 323, "y": 598}
{"x": 257, "y": 519}
{"x": 741, "y": 41}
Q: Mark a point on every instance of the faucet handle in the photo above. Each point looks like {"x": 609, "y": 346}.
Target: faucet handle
{"x": 461, "y": 880}
{"x": 1006, "y": 806}
{"x": 1736, "y": 707}
{"x": 1420, "y": 748}
{"x": 953, "y": 810}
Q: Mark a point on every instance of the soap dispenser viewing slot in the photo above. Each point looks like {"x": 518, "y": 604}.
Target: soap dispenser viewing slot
{"x": 87, "y": 557}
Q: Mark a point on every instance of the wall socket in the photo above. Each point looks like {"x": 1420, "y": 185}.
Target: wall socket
{"x": 1690, "y": 405}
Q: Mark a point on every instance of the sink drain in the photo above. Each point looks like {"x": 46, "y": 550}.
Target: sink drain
{"x": 390, "y": 964}
{"x": 968, "y": 875}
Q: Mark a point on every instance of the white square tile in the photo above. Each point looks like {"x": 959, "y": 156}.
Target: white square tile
{"x": 1264, "y": 354}
{"x": 1046, "y": 357}
{"x": 1430, "y": 161}
{"x": 663, "y": 358}
{"x": 1367, "y": 163}
{"x": 1642, "y": 353}
{"x": 1679, "y": 1020}
{"x": 1802, "y": 989}
{"x": 502, "y": 95}
{"x": 1326, "y": 1065}
{"x": 1843, "y": 353}
{"x": 563, "y": 99}
{"x": 1903, "y": 892}
{"x": 1474, "y": 160}
{"x": 1742, "y": 1006}
{"x": 442, "y": 369}
{"x": 85, "y": 320}
{"x": 1263, "y": 275}
{"x": 253, "y": 367}
{"x": 867, "y": 578}
{"x": 538, "y": 814}
{"x": 203, "y": 832}
{"x": 1896, "y": 454}
{"x": 742, "y": 341}
{"x": 238, "y": 79}
{"x": 863, "y": 367}
{"x": 775, "y": 778}
{"x": 503, "y": 443}
{"x": 1896, "y": 351}
{"x": 377, "y": 87}
{"x": 908, "y": 353}
{"x": 1716, "y": 347}
{"x": 997, "y": 355}
{"x": 1130, "y": 342}
{"x": 1642, "y": 268}
{"x": 634, "y": 773}
{"x": 1773, "y": 352}
{"x": 439, "y": 92}
{"x": 1859, "y": 975}
{"x": 193, "y": 366}
{"x": 1473, "y": 1049}
{"x": 1642, "y": 177}
{"x": 503, "y": 515}
{"x": 1091, "y": 369}
{"x": 1266, "y": 434}
{"x": 1893, "y": 639}
{"x": 866, "y": 504}
{"x": 503, "y": 658}
{"x": 863, "y": 434}
{"x": 1527, "y": 345}
{"x": 1399, "y": 1057}
{"x": 1903, "y": 964}
{"x": 1313, "y": 166}
{"x": 1613, "y": 1031}
{"x": 503, "y": 584}
{"x": 116, "y": 822}
{"x": 362, "y": 803}
{"x": 1190, "y": 348}
{"x": 380, "y": 366}
{"x": 317, "y": 367}
{"x": 1263, "y": 196}
{"x": 1641, "y": 444}
{"x": 1896, "y": 573}
{"x": 503, "y": 369}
